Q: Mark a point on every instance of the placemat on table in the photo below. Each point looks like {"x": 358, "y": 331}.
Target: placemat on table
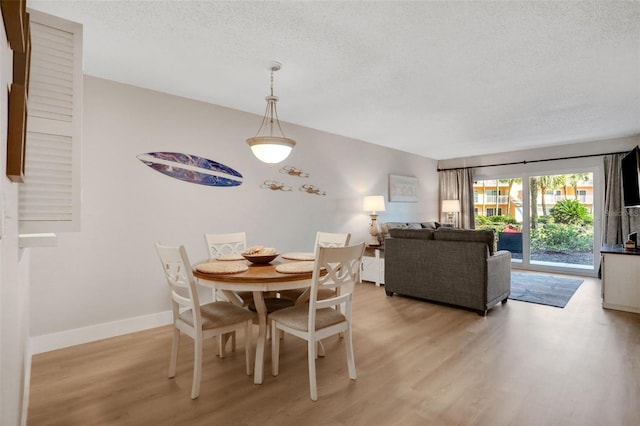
{"x": 295, "y": 267}
{"x": 230, "y": 256}
{"x": 299, "y": 256}
{"x": 222, "y": 267}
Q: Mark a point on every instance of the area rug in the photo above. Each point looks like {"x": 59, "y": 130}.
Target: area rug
{"x": 543, "y": 289}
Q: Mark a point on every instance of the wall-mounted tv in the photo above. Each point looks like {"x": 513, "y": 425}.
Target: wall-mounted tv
{"x": 630, "y": 165}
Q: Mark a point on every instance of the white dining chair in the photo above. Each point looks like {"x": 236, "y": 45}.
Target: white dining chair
{"x": 323, "y": 239}
{"x": 225, "y": 245}
{"x": 301, "y": 296}
{"x": 330, "y": 239}
{"x": 196, "y": 321}
{"x": 220, "y": 246}
{"x": 323, "y": 318}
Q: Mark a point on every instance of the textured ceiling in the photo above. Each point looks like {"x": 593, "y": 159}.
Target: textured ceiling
{"x": 440, "y": 79}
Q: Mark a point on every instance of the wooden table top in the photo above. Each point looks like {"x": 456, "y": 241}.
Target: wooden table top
{"x": 255, "y": 273}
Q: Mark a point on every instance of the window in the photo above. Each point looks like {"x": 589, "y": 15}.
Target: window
{"x": 49, "y": 198}
{"x": 549, "y": 242}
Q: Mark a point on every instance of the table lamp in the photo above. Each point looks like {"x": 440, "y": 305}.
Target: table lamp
{"x": 450, "y": 207}
{"x": 373, "y": 203}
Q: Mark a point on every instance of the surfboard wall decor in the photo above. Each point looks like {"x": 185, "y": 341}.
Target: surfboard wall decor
{"x": 191, "y": 168}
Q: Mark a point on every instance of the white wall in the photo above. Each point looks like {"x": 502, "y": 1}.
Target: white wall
{"x": 14, "y": 290}
{"x": 109, "y": 271}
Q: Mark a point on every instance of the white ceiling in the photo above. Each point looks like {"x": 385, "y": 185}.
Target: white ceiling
{"x": 442, "y": 79}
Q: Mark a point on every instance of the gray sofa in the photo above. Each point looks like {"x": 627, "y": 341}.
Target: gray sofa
{"x": 452, "y": 266}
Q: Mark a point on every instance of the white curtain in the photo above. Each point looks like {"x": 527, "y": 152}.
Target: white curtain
{"x": 618, "y": 221}
{"x": 458, "y": 185}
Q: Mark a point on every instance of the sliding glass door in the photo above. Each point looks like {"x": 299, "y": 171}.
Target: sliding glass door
{"x": 544, "y": 220}
{"x": 561, "y": 220}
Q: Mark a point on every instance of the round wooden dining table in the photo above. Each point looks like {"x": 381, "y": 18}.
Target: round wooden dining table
{"x": 259, "y": 278}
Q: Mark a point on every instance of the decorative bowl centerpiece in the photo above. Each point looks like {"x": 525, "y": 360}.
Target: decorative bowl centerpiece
{"x": 260, "y": 254}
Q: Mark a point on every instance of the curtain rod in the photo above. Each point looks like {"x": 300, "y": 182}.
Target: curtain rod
{"x": 532, "y": 161}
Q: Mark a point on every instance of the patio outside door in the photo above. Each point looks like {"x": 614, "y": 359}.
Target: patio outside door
{"x": 561, "y": 220}
{"x": 545, "y": 221}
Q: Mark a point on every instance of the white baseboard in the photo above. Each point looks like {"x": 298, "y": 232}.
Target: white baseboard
{"x": 77, "y": 336}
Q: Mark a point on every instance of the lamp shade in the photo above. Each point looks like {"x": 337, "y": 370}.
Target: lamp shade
{"x": 271, "y": 150}
{"x": 451, "y": 206}
{"x": 373, "y": 203}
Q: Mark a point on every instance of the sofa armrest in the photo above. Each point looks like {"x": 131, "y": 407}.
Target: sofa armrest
{"x": 501, "y": 254}
{"x": 498, "y": 276}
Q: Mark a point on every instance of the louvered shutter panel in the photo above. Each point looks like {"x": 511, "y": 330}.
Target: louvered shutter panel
{"x": 49, "y": 198}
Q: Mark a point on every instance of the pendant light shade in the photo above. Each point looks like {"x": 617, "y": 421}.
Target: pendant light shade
{"x": 271, "y": 149}
{"x": 270, "y": 145}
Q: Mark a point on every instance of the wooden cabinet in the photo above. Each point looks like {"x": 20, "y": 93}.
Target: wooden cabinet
{"x": 373, "y": 265}
{"x": 621, "y": 281}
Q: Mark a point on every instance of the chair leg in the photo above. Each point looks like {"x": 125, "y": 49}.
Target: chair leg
{"x": 320, "y": 349}
{"x": 222, "y": 342}
{"x": 175, "y": 344}
{"x": 275, "y": 350}
{"x": 247, "y": 347}
{"x": 223, "y": 339}
{"x": 351, "y": 363}
{"x": 313, "y": 388}
{"x": 197, "y": 365}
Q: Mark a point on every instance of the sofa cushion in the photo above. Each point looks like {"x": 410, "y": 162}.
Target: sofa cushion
{"x": 429, "y": 225}
{"x": 386, "y": 227}
{"x": 417, "y": 234}
{"x": 480, "y": 236}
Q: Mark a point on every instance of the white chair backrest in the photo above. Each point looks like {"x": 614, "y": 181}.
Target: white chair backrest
{"x": 343, "y": 272}
{"x": 327, "y": 239}
{"x": 182, "y": 284}
{"x": 221, "y": 244}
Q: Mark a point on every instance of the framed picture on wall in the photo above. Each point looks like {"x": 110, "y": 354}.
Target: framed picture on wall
{"x": 403, "y": 189}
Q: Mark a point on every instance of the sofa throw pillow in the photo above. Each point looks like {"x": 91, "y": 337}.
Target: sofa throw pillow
{"x": 429, "y": 225}
{"x": 480, "y": 236}
{"x": 414, "y": 234}
{"x": 385, "y": 228}
{"x": 444, "y": 225}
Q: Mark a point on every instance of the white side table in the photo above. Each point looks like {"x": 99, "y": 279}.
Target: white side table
{"x": 373, "y": 265}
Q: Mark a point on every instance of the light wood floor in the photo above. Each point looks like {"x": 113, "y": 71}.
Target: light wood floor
{"x": 418, "y": 364}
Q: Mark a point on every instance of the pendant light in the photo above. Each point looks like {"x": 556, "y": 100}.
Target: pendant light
{"x": 267, "y": 146}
